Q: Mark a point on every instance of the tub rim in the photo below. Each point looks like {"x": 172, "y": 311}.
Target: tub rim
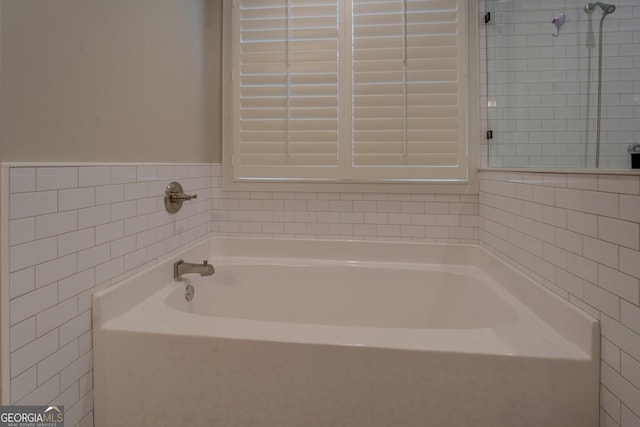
{"x": 572, "y": 325}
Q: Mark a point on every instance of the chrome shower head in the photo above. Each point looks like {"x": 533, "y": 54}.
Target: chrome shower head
{"x": 606, "y": 8}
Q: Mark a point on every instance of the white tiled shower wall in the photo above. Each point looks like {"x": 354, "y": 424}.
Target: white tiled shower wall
{"x": 579, "y": 235}
{"x": 451, "y": 218}
{"x": 74, "y": 230}
{"x": 541, "y": 115}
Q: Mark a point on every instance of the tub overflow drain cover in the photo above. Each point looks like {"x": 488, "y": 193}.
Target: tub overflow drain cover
{"x": 189, "y": 292}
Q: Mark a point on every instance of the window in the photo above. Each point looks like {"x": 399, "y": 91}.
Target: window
{"x": 349, "y": 90}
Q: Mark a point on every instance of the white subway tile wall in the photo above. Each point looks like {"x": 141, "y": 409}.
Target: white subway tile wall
{"x": 361, "y": 216}
{"x": 542, "y": 102}
{"x": 74, "y": 230}
{"x": 579, "y": 235}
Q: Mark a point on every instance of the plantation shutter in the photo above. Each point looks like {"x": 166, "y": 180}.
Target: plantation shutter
{"x": 350, "y": 90}
{"x": 287, "y": 97}
{"x": 409, "y": 72}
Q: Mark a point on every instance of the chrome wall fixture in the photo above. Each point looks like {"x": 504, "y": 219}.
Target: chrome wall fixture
{"x": 174, "y": 197}
{"x": 607, "y": 9}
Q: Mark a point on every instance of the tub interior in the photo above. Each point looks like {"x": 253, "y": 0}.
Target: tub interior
{"x": 348, "y": 294}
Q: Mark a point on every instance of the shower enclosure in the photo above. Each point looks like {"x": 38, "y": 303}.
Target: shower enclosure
{"x": 562, "y": 83}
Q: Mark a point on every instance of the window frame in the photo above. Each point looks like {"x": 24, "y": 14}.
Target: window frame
{"x": 230, "y": 128}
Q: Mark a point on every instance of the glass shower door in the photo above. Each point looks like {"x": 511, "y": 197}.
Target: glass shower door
{"x": 556, "y": 96}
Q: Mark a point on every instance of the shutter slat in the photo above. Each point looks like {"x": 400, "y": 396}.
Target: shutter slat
{"x": 315, "y": 159}
{"x": 433, "y": 159}
{"x": 418, "y": 147}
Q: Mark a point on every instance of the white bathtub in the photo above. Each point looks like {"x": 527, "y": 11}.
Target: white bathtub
{"x": 330, "y": 333}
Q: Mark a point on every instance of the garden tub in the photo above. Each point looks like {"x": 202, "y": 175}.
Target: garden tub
{"x": 342, "y": 333}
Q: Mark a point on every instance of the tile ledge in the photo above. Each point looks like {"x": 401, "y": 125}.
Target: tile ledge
{"x": 629, "y": 172}
{"x": 97, "y": 164}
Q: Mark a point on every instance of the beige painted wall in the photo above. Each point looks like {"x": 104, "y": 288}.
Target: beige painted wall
{"x": 109, "y": 81}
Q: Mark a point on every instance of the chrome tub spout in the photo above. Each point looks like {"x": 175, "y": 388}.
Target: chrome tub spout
{"x": 181, "y": 267}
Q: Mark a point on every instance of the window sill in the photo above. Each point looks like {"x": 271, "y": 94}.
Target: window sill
{"x": 425, "y": 187}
